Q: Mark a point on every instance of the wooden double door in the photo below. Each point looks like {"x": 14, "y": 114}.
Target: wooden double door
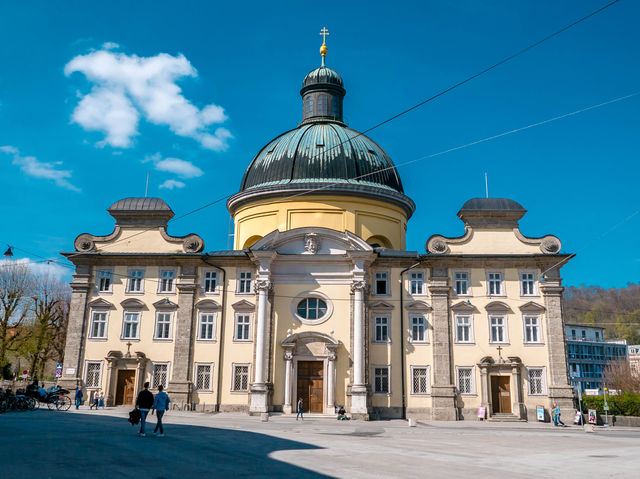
{"x": 125, "y": 388}
{"x": 310, "y": 385}
{"x": 501, "y": 394}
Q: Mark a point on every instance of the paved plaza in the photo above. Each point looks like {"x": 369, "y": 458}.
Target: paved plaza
{"x": 103, "y": 444}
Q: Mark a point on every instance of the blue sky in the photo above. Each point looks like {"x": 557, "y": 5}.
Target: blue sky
{"x": 93, "y": 95}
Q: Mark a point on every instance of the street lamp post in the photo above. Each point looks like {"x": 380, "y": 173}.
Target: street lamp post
{"x": 606, "y": 408}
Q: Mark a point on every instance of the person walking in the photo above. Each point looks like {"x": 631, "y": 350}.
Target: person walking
{"x": 299, "y": 415}
{"x": 160, "y": 406}
{"x": 93, "y": 400}
{"x": 556, "y": 416}
{"x": 78, "y": 396}
{"x": 101, "y": 400}
{"x": 144, "y": 402}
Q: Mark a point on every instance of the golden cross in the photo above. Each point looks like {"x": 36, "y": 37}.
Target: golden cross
{"x": 324, "y": 32}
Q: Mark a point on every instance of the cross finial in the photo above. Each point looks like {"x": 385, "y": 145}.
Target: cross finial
{"x": 323, "y": 49}
{"x": 128, "y": 355}
{"x": 500, "y": 348}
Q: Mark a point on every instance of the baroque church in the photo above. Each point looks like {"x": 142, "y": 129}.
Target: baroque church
{"x": 319, "y": 300}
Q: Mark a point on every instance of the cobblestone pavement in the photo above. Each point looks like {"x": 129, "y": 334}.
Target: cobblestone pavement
{"x": 103, "y": 444}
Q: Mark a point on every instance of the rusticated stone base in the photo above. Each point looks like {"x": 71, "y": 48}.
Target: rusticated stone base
{"x": 443, "y": 401}
{"x": 180, "y": 392}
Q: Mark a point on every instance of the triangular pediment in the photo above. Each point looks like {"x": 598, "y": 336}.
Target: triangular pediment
{"x": 100, "y": 303}
{"x": 311, "y": 241}
{"x": 380, "y": 305}
{"x": 532, "y": 307}
{"x": 243, "y": 305}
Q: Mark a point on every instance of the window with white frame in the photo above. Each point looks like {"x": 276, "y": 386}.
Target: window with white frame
{"x": 381, "y": 283}
{"x": 204, "y": 372}
{"x": 135, "y": 281}
{"x": 465, "y": 380}
{"x": 210, "y": 281}
{"x": 498, "y": 326}
{"x": 418, "y": 328}
{"x": 167, "y": 281}
{"x": 163, "y": 325}
{"x": 532, "y": 329}
{"x": 240, "y": 377}
{"x": 98, "y": 329}
{"x": 159, "y": 375}
{"x": 381, "y": 329}
{"x": 461, "y": 283}
{"x": 420, "y": 380}
{"x": 244, "y": 281}
{"x": 93, "y": 374}
{"x": 131, "y": 325}
{"x": 381, "y": 379}
{"x": 207, "y": 326}
{"x": 494, "y": 283}
{"x": 537, "y": 383}
{"x": 527, "y": 283}
{"x": 464, "y": 328}
{"x": 417, "y": 284}
{"x": 105, "y": 280}
{"x": 243, "y": 326}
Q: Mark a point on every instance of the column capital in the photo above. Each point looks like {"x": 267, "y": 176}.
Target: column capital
{"x": 263, "y": 285}
{"x": 551, "y": 289}
{"x": 288, "y": 354}
{"x": 359, "y": 285}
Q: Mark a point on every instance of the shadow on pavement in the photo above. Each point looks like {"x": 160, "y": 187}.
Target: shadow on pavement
{"x": 48, "y": 444}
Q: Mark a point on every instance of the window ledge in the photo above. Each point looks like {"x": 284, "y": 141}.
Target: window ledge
{"x": 464, "y": 344}
{"x": 135, "y": 340}
{"x": 240, "y": 392}
{"x": 381, "y": 342}
{"x": 162, "y": 340}
{"x": 245, "y": 294}
{"x": 533, "y": 344}
{"x": 98, "y": 340}
{"x": 422, "y": 395}
{"x": 419, "y": 343}
{"x": 134, "y": 293}
{"x": 166, "y": 293}
{"x": 382, "y": 394}
{"x": 247, "y": 341}
{"x": 214, "y": 340}
{"x": 495, "y": 343}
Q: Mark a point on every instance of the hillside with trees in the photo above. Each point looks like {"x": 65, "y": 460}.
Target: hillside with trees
{"x": 615, "y": 309}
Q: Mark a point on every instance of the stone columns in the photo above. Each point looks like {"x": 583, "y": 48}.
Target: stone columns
{"x": 331, "y": 379}
{"x": 359, "y": 388}
{"x": 76, "y": 332}
{"x": 443, "y": 390}
{"x": 559, "y": 389}
{"x": 516, "y": 373}
{"x": 109, "y": 397}
{"x": 140, "y": 369}
{"x": 484, "y": 388}
{"x": 259, "y": 390}
{"x": 288, "y": 366}
{"x": 180, "y": 384}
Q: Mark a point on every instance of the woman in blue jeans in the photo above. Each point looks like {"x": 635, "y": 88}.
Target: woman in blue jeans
{"x": 160, "y": 405}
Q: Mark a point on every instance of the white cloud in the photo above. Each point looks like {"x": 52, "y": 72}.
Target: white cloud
{"x": 39, "y": 169}
{"x": 40, "y": 268}
{"x": 126, "y": 87}
{"x": 182, "y": 168}
{"x": 171, "y": 184}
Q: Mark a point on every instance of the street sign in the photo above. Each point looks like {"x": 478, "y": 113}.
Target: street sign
{"x": 606, "y": 407}
{"x": 540, "y": 413}
{"x": 58, "y": 370}
{"x": 592, "y": 392}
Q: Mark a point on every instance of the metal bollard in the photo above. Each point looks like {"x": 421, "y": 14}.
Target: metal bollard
{"x": 264, "y": 417}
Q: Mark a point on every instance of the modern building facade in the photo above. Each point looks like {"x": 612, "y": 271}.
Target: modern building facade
{"x": 588, "y": 353}
{"x": 634, "y": 359}
{"x": 319, "y": 299}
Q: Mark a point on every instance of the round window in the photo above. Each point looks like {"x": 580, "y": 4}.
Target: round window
{"x": 312, "y": 308}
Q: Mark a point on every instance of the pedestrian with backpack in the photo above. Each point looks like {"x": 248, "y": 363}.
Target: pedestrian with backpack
{"x": 144, "y": 402}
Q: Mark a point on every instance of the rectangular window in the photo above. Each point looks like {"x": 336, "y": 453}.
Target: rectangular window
{"x": 203, "y": 377}
{"x": 495, "y": 284}
{"x": 207, "y": 326}
{"x": 240, "y": 377}
{"x": 243, "y": 323}
{"x": 418, "y": 329}
{"x": 464, "y": 329}
{"x": 532, "y": 333}
{"x": 163, "y": 326}
{"x": 465, "y": 381}
{"x": 210, "y": 281}
{"x": 597, "y": 336}
{"x": 167, "y": 281}
{"x": 105, "y": 280}
{"x": 527, "y": 284}
{"x": 416, "y": 283}
{"x": 536, "y": 381}
{"x": 135, "y": 282}
{"x": 461, "y": 283}
{"x": 244, "y": 281}
{"x": 381, "y": 380}
{"x": 381, "y": 283}
{"x": 159, "y": 375}
{"x": 93, "y": 375}
{"x": 98, "y": 325}
{"x": 498, "y": 329}
{"x": 381, "y": 329}
{"x": 130, "y": 325}
{"x": 420, "y": 380}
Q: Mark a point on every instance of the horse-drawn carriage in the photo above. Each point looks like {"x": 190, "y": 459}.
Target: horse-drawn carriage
{"x": 54, "y": 398}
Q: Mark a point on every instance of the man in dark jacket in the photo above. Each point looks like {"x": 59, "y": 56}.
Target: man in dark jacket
{"x": 144, "y": 403}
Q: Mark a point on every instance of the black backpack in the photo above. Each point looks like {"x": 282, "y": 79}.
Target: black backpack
{"x": 135, "y": 416}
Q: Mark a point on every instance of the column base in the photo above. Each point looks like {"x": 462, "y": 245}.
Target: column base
{"x": 69, "y": 383}
{"x": 563, "y": 396}
{"x": 259, "y": 399}
{"x": 287, "y": 409}
{"x": 180, "y": 393}
{"x": 443, "y": 403}
{"x": 359, "y": 407}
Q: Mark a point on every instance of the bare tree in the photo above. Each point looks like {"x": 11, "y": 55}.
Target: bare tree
{"x": 16, "y": 284}
{"x": 618, "y": 375}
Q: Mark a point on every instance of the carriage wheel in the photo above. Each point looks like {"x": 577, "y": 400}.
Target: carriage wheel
{"x": 64, "y": 403}
{"x": 52, "y": 403}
